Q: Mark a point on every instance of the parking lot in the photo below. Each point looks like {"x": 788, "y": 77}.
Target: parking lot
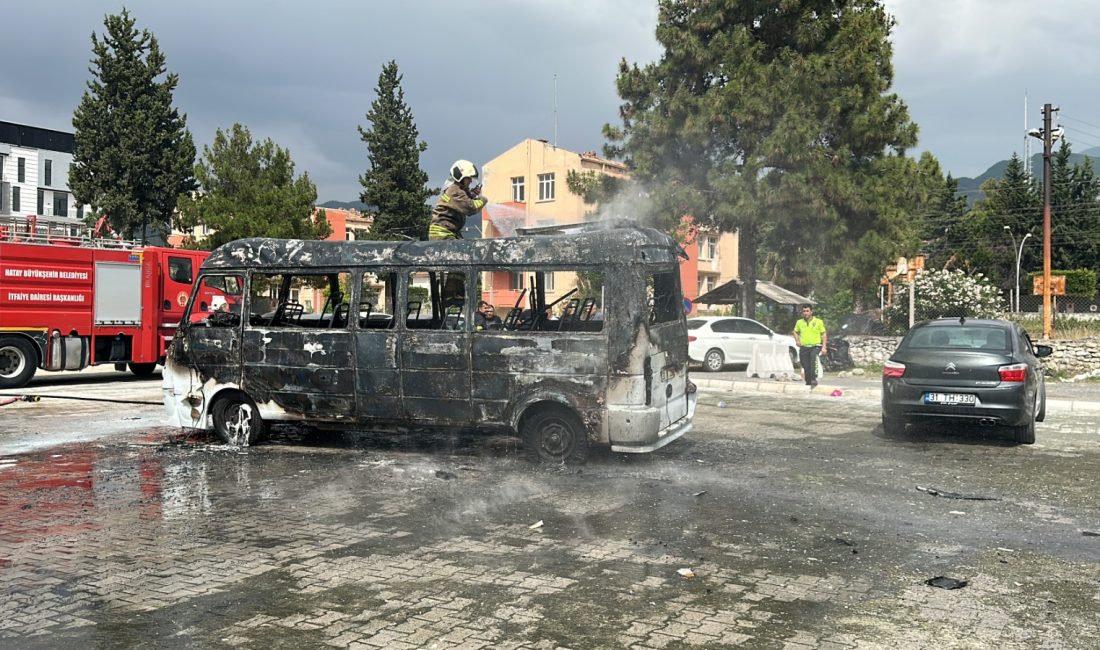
{"x": 780, "y": 522}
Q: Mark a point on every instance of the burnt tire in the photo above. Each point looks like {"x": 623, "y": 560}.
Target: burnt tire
{"x": 892, "y": 427}
{"x": 143, "y": 370}
{"x": 555, "y": 435}
{"x": 18, "y": 362}
{"x": 713, "y": 360}
{"x": 237, "y": 421}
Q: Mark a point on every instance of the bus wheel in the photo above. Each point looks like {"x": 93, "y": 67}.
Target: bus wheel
{"x": 237, "y": 421}
{"x": 18, "y": 361}
{"x": 555, "y": 435}
{"x": 142, "y": 370}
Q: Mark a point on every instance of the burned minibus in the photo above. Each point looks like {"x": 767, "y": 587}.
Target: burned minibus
{"x": 591, "y": 349}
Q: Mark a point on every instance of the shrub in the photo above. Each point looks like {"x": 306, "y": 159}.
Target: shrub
{"x": 947, "y": 294}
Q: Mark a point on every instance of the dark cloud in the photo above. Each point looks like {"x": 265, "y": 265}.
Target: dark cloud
{"x": 478, "y": 75}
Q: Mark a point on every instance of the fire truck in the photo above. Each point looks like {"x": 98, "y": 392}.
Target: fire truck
{"x": 69, "y": 300}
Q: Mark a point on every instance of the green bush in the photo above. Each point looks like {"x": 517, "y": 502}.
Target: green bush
{"x": 1080, "y": 283}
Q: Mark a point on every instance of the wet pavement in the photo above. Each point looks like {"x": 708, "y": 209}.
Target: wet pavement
{"x": 800, "y": 526}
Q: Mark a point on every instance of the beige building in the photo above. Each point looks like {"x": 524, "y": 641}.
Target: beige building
{"x": 526, "y": 187}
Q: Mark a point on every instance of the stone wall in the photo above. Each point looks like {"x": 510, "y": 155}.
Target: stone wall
{"x": 1069, "y": 358}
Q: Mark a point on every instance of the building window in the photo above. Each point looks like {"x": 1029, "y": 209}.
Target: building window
{"x": 712, "y": 248}
{"x": 21, "y": 173}
{"x": 15, "y": 200}
{"x": 546, "y": 187}
{"x": 3, "y": 159}
{"x": 49, "y": 172}
{"x": 515, "y": 281}
{"x": 60, "y": 204}
{"x": 702, "y": 248}
{"x": 80, "y": 212}
{"x": 41, "y": 201}
{"x": 548, "y": 282}
{"x": 519, "y": 194}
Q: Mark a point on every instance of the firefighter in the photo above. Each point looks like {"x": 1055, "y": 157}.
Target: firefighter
{"x": 460, "y": 199}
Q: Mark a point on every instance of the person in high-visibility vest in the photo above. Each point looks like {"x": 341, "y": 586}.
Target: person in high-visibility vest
{"x": 810, "y": 335}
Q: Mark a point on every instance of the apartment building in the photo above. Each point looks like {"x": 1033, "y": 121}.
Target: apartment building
{"x": 34, "y": 173}
{"x": 526, "y": 187}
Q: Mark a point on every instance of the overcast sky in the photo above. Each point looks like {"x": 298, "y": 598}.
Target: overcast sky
{"x": 479, "y": 75}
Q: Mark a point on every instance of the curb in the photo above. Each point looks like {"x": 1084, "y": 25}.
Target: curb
{"x": 799, "y": 390}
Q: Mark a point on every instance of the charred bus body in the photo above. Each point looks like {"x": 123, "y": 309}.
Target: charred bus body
{"x": 390, "y": 338}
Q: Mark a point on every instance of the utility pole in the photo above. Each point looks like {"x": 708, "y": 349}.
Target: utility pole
{"x": 1048, "y": 140}
{"x": 1047, "y": 135}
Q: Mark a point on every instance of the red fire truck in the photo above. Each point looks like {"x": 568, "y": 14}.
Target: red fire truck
{"x": 68, "y": 301}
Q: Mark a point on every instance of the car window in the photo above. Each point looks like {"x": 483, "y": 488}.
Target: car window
{"x": 959, "y": 338}
{"x": 752, "y": 327}
{"x": 695, "y": 323}
{"x": 724, "y": 326}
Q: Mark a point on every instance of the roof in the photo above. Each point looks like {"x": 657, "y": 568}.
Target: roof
{"x": 730, "y": 293}
{"x": 595, "y": 245}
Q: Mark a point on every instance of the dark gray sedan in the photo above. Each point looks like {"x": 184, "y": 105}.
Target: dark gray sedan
{"x": 981, "y": 371}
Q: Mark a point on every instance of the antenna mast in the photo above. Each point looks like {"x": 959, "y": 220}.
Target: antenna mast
{"x": 1027, "y": 141}
{"x": 555, "y": 110}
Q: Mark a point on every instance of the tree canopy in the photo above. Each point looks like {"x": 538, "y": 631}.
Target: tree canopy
{"x": 133, "y": 155}
{"x": 249, "y": 190}
{"x": 774, "y": 118}
{"x": 394, "y": 183}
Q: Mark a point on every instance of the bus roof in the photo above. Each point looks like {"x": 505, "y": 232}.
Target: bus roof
{"x": 590, "y": 247}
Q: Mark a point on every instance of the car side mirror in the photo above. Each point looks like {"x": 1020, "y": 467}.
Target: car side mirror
{"x": 1043, "y": 351}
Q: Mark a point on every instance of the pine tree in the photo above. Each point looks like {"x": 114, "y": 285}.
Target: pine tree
{"x": 773, "y": 118}
{"x": 249, "y": 190}
{"x": 1075, "y": 213}
{"x": 133, "y": 155}
{"x": 394, "y": 183}
{"x": 1014, "y": 202}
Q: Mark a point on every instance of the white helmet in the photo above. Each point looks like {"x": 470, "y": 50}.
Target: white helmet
{"x": 463, "y": 169}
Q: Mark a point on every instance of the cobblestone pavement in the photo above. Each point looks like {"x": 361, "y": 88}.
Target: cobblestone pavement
{"x": 797, "y": 523}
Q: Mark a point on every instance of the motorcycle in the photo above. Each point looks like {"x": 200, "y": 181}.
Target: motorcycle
{"x": 837, "y": 357}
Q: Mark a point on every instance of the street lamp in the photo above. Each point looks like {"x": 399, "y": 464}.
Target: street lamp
{"x": 1019, "y": 253}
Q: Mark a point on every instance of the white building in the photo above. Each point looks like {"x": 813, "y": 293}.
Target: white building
{"x": 34, "y": 173}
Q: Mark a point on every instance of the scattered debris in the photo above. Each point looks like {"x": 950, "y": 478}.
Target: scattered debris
{"x": 537, "y": 524}
{"x": 943, "y": 582}
{"x": 721, "y": 403}
{"x": 837, "y": 393}
{"x": 845, "y": 542}
{"x": 956, "y": 512}
{"x": 699, "y": 494}
{"x": 446, "y": 476}
{"x": 1090, "y": 533}
{"x": 955, "y": 495}
{"x": 687, "y": 573}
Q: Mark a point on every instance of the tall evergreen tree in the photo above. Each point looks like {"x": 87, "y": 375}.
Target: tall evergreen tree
{"x": 773, "y": 118}
{"x": 394, "y": 183}
{"x": 133, "y": 155}
{"x": 1013, "y": 201}
{"x": 1075, "y": 213}
{"x": 249, "y": 190}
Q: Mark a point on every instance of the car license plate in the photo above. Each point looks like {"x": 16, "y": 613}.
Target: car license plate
{"x": 950, "y": 398}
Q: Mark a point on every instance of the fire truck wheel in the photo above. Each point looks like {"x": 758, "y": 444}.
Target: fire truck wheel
{"x": 555, "y": 435}
{"x": 142, "y": 370}
{"x": 237, "y": 420}
{"x": 18, "y": 361}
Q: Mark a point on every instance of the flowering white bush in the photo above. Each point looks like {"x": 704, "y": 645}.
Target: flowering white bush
{"x": 948, "y": 294}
